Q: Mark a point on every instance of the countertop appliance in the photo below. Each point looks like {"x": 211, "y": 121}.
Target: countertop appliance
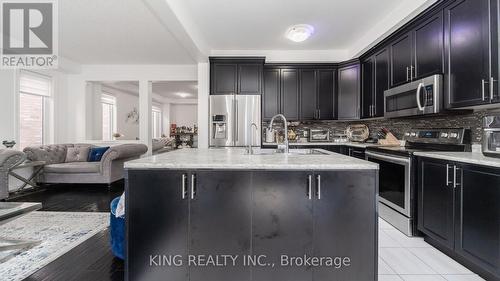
{"x": 319, "y": 135}
{"x": 398, "y": 172}
{"x": 491, "y": 136}
{"x": 231, "y": 119}
{"x": 420, "y": 97}
{"x": 358, "y": 133}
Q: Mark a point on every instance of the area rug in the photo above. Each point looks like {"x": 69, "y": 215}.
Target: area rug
{"x": 59, "y": 233}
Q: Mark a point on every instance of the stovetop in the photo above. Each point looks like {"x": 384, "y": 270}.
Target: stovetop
{"x": 424, "y": 140}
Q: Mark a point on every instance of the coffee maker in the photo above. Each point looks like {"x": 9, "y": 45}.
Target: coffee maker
{"x": 491, "y": 136}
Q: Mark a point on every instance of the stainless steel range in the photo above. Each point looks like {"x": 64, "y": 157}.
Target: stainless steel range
{"x": 398, "y": 173}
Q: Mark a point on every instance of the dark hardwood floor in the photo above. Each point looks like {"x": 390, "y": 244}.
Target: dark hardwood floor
{"x": 91, "y": 260}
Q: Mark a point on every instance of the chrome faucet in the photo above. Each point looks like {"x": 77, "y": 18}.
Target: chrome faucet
{"x": 285, "y": 145}
{"x": 250, "y": 148}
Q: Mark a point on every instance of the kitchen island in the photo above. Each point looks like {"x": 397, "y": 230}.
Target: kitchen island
{"x": 221, "y": 214}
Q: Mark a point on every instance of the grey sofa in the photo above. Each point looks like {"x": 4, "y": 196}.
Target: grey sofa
{"x": 8, "y": 159}
{"x": 107, "y": 171}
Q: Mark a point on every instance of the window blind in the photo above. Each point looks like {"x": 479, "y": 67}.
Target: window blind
{"x": 34, "y": 84}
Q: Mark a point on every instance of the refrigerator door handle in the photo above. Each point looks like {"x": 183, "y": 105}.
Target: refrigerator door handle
{"x": 235, "y": 121}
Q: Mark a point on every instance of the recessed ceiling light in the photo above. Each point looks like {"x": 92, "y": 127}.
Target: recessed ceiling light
{"x": 299, "y": 32}
{"x": 183, "y": 95}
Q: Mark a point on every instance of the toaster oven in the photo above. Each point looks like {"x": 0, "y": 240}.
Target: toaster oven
{"x": 319, "y": 135}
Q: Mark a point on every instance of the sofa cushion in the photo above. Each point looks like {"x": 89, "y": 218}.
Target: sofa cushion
{"x": 96, "y": 153}
{"x": 51, "y": 154}
{"x": 77, "y": 154}
{"x": 73, "y": 168}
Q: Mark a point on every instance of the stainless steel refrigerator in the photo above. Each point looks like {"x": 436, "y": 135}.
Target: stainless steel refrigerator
{"x": 231, "y": 119}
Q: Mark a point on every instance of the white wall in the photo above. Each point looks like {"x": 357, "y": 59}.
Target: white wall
{"x": 76, "y": 84}
{"x": 8, "y": 105}
{"x": 184, "y": 114}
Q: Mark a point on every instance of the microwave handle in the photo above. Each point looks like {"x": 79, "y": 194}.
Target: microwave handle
{"x": 420, "y": 107}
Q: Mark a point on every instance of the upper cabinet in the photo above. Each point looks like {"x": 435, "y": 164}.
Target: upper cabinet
{"x": 241, "y": 76}
{"x": 375, "y": 80}
{"x": 349, "y": 84}
{"x": 468, "y": 80}
{"x": 401, "y": 59}
{"x": 428, "y": 46}
{"x": 299, "y": 93}
{"x": 419, "y": 52}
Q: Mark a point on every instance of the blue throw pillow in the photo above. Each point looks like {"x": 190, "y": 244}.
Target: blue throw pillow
{"x": 96, "y": 153}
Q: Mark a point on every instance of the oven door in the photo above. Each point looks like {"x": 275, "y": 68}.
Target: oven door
{"x": 394, "y": 181}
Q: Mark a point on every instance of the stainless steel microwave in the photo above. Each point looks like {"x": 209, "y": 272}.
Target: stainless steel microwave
{"x": 419, "y": 97}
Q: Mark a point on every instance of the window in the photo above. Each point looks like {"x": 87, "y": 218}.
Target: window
{"x": 35, "y": 97}
{"x": 108, "y": 116}
{"x": 157, "y": 123}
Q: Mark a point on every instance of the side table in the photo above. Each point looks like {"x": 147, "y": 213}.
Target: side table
{"x": 37, "y": 169}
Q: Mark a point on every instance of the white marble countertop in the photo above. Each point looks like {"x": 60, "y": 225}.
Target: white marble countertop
{"x": 353, "y": 144}
{"x": 465, "y": 157}
{"x": 236, "y": 159}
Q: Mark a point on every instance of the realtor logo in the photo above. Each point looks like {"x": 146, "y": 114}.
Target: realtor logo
{"x": 29, "y": 34}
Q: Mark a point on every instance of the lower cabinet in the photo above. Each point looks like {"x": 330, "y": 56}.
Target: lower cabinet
{"x": 220, "y": 208}
{"x": 478, "y": 217}
{"x": 279, "y": 214}
{"x": 436, "y": 201}
{"x": 459, "y": 210}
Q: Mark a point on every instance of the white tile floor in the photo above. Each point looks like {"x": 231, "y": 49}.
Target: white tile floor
{"x": 412, "y": 259}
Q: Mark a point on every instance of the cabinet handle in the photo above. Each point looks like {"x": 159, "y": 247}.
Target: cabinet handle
{"x": 448, "y": 175}
{"x": 309, "y": 187}
{"x": 193, "y": 186}
{"x": 411, "y": 72}
{"x": 492, "y": 88}
{"x": 455, "y": 181}
{"x": 407, "y": 73}
{"x": 319, "y": 113}
{"x": 184, "y": 191}
{"x": 483, "y": 82}
{"x": 318, "y": 192}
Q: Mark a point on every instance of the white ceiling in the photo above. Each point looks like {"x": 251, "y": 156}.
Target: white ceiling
{"x": 116, "y": 32}
{"x": 341, "y": 27}
{"x": 188, "y": 31}
{"x": 261, "y": 24}
{"x": 163, "y": 89}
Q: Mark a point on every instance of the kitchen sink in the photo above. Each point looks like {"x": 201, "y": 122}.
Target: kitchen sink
{"x": 290, "y": 152}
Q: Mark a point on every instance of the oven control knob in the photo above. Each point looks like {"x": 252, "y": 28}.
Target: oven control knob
{"x": 407, "y": 134}
{"x": 454, "y": 135}
{"x": 413, "y": 134}
{"x": 444, "y": 135}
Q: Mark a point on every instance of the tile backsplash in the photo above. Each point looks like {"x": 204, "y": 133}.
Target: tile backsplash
{"x": 399, "y": 126}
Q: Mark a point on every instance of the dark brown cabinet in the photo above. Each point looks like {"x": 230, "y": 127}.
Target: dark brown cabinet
{"x": 232, "y": 194}
{"x": 401, "y": 59}
{"x": 326, "y": 94}
{"x": 467, "y": 43}
{"x": 249, "y": 214}
{"x": 271, "y": 96}
{"x": 367, "y": 87}
{"x": 299, "y": 93}
{"x": 459, "y": 211}
{"x": 436, "y": 201}
{"x": 478, "y": 216}
{"x": 281, "y": 93}
{"x": 419, "y": 52}
{"x": 230, "y": 76}
{"x": 333, "y": 193}
{"x": 349, "y": 84}
{"x": 428, "y": 46}
{"x": 375, "y": 80}
{"x": 308, "y": 94}
{"x": 290, "y": 93}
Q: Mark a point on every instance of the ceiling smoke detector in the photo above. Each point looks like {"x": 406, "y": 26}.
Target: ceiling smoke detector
{"x": 299, "y": 32}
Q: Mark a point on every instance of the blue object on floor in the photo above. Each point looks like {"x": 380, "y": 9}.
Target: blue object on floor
{"x": 117, "y": 226}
